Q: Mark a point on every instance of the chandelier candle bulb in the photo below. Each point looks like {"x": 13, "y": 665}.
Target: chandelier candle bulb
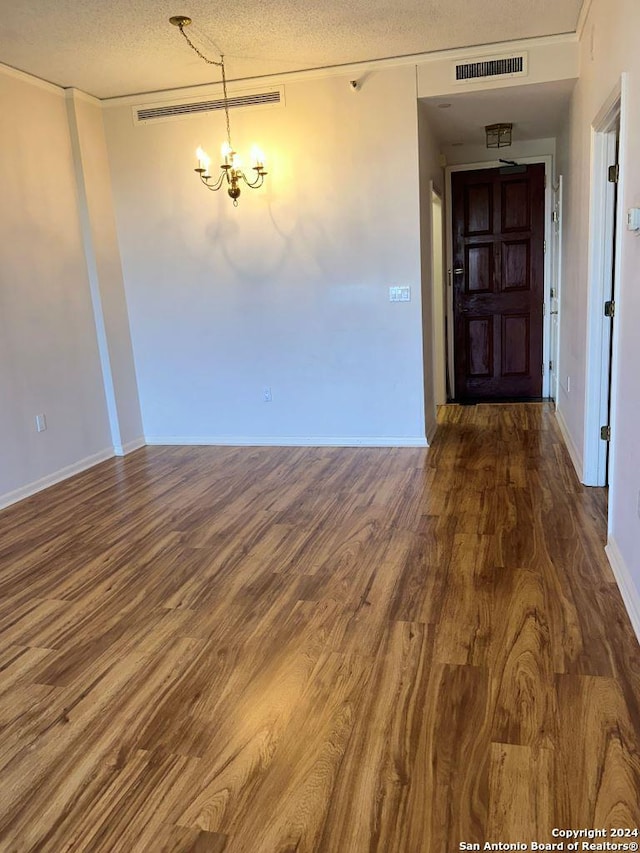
{"x": 204, "y": 162}
{"x": 258, "y": 158}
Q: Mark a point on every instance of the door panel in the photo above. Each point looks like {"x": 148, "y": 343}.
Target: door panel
{"x": 516, "y": 206}
{"x": 480, "y": 265}
{"x": 516, "y": 264}
{"x": 478, "y": 209}
{"x": 515, "y": 355}
{"x": 498, "y": 287}
{"x": 480, "y": 345}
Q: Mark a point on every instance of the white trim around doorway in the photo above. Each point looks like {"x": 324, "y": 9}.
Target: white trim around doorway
{"x": 600, "y": 370}
{"x": 547, "y": 159}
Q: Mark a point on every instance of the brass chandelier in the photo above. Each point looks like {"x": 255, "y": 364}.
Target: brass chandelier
{"x": 231, "y": 173}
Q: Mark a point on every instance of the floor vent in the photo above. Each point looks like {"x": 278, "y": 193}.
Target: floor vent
{"x": 492, "y": 66}
{"x": 168, "y": 111}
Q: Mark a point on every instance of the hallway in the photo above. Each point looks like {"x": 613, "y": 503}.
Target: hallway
{"x": 317, "y": 649}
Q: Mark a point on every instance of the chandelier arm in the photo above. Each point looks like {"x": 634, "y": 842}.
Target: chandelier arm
{"x": 258, "y": 182}
{"x": 217, "y": 185}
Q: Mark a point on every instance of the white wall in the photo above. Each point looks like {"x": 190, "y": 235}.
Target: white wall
{"x": 289, "y": 290}
{"x": 551, "y": 58}
{"x": 573, "y": 164}
{"x": 608, "y": 48}
{"x": 105, "y": 271}
{"x": 459, "y": 155}
{"x": 48, "y": 353}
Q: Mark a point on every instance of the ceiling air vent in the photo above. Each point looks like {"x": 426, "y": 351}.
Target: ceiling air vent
{"x": 486, "y": 67}
{"x": 175, "y": 110}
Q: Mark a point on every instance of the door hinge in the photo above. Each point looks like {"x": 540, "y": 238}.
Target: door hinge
{"x": 545, "y": 247}
{"x": 610, "y": 309}
{"x": 614, "y": 173}
{"x": 551, "y": 366}
{"x": 605, "y": 433}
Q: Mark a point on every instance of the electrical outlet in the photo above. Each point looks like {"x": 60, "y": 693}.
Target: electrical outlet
{"x": 41, "y": 423}
{"x": 568, "y": 384}
{"x": 266, "y": 395}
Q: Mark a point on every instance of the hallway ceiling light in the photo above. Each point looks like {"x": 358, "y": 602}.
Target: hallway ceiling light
{"x": 231, "y": 173}
{"x": 498, "y": 135}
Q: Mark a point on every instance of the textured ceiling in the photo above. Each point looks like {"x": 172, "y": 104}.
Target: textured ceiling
{"x": 536, "y": 111}
{"x": 109, "y": 48}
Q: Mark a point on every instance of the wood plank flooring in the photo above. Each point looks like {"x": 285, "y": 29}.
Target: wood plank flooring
{"x": 268, "y": 650}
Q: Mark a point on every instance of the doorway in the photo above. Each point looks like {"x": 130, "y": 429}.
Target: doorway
{"x": 603, "y": 272}
{"x": 498, "y": 281}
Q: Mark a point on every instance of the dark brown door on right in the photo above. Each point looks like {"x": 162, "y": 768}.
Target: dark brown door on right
{"x": 498, "y": 283}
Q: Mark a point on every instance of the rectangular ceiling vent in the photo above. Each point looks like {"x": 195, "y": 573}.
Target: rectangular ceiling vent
{"x": 168, "y": 111}
{"x": 486, "y": 67}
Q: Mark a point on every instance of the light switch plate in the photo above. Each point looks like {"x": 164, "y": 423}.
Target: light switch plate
{"x": 399, "y": 293}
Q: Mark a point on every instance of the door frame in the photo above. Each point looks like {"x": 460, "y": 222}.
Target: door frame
{"x": 556, "y": 286}
{"x": 547, "y": 159}
{"x": 438, "y": 296}
{"x": 600, "y": 369}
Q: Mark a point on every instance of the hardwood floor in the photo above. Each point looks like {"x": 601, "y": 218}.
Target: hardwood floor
{"x": 271, "y": 650}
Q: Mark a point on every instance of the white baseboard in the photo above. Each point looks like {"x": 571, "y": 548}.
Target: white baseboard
{"x": 130, "y": 446}
{"x": 287, "y": 441}
{"x": 628, "y": 590}
{"x": 574, "y": 453}
{"x": 57, "y": 477}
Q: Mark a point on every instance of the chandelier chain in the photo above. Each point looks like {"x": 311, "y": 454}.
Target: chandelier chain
{"x": 224, "y": 77}
{"x": 199, "y": 52}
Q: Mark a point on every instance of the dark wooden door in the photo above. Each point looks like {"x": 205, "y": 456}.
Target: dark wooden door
{"x": 498, "y": 283}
